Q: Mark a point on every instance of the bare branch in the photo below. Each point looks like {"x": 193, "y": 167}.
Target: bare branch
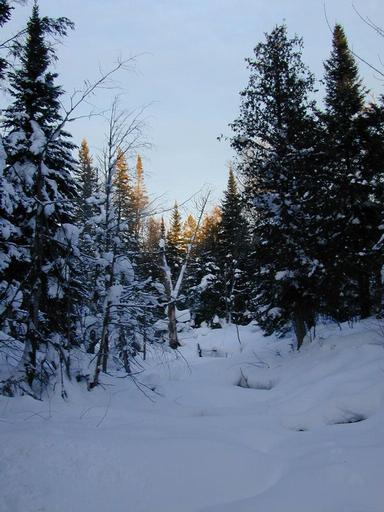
{"x": 202, "y": 207}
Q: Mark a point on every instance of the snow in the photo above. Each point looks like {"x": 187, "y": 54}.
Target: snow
{"x": 67, "y": 234}
{"x": 206, "y": 281}
{"x": 114, "y": 294}
{"x": 124, "y": 267}
{"x": 183, "y": 315}
{"x": 38, "y": 139}
{"x": 283, "y": 274}
{"x": 261, "y": 429}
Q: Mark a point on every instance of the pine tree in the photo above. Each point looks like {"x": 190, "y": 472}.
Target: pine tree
{"x": 174, "y": 241}
{"x": 5, "y": 15}
{"x": 273, "y": 137}
{"x": 349, "y": 199}
{"x": 162, "y": 229}
{"x": 152, "y": 235}
{"x": 39, "y": 168}
{"x": 150, "y": 260}
{"x": 87, "y": 183}
{"x": 123, "y": 191}
{"x": 140, "y": 200}
{"x": 233, "y": 250}
{"x": 189, "y": 230}
{"x": 9, "y": 283}
{"x": 371, "y": 130}
{"x": 205, "y": 285}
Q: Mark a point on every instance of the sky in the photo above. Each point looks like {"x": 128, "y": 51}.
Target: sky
{"x": 188, "y": 71}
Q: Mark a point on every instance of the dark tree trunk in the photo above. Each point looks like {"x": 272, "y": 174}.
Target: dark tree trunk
{"x": 364, "y": 295}
{"x": 300, "y": 329}
{"x": 303, "y": 322}
{"x": 378, "y": 296}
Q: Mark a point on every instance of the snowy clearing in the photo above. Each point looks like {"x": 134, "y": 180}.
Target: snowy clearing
{"x": 261, "y": 429}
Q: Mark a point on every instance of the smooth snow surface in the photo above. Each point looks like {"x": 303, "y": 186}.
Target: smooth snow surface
{"x": 251, "y": 427}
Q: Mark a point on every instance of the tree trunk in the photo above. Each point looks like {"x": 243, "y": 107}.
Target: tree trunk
{"x": 378, "y": 295}
{"x": 102, "y": 355}
{"x": 300, "y": 328}
{"x": 172, "y": 327}
{"x": 364, "y": 295}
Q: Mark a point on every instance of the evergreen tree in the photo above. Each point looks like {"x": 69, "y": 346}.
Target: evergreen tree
{"x": 189, "y": 230}
{"x": 150, "y": 253}
{"x": 273, "y": 137}
{"x": 123, "y": 191}
{"x": 140, "y": 200}
{"x": 174, "y": 241}
{"x": 39, "y": 169}
{"x": 87, "y": 183}
{"x": 349, "y": 198}
{"x": 205, "y": 285}
{"x": 5, "y": 15}
{"x": 9, "y": 284}
{"x": 233, "y": 250}
{"x": 371, "y": 129}
{"x": 153, "y": 234}
{"x": 162, "y": 229}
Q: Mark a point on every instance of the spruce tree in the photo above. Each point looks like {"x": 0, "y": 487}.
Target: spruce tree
{"x": 140, "y": 200}
{"x": 273, "y": 137}
{"x": 189, "y": 230}
{"x": 39, "y": 168}
{"x": 174, "y": 241}
{"x": 233, "y": 249}
{"x": 205, "y": 290}
{"x": 5, "y": 15}
{"x": 150, "y": 252}
{"x": 350, "y": 195}
{"x": 87, "y": 183}
{"x": 9, "y": 283}
{"x": 123, "y": 190}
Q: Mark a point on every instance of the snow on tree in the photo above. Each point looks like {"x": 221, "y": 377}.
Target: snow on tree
{"x": 205, "y": 290}
{"x": 39, "y": 169}
{"x": 234, "y": 247}
{"x": 351, "y": 187}
{"x": 273, "y": 138}
{"x": 121, "y": 304}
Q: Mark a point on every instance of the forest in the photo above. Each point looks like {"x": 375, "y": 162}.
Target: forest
{"x": 97, "y": 281}
{"x": 297, "y": 237}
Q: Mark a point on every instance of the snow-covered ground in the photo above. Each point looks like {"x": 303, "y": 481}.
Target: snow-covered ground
{"x": 250, "y": 427}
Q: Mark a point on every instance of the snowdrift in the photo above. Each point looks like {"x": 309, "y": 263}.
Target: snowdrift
{"x": 252, "y": 426}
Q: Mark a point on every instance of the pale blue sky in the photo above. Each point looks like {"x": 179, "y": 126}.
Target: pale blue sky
{"x": 192, "y": 69}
